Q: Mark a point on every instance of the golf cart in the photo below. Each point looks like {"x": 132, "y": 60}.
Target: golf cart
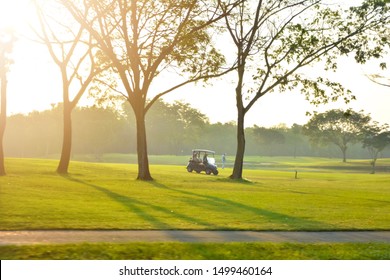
{"x": 202, "y": 160}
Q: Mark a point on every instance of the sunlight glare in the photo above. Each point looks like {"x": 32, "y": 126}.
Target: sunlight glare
{"x": 13, "y": 14}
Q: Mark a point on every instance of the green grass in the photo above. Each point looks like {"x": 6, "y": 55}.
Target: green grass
{"x": 316, "y": 164}
{"x": 106, "y": 196}
{"x": 208, "y": 251}
{"x": 308, "y": 164}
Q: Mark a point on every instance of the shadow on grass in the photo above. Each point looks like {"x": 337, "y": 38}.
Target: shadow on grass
{"x": 242, "y": 181}
{"x": 136, "y": 206}
{"x": 205, "y": 201}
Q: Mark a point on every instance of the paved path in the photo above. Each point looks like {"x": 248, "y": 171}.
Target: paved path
{"x": 121, "y": 236}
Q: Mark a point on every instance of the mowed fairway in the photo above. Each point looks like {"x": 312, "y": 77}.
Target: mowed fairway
{"x": 107, "y": 196}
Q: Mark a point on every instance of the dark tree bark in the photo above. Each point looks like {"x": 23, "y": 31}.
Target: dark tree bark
{"x": 142, "y": 148}
{"x": 66, "y": 140}
{"x": 240, "y": 151}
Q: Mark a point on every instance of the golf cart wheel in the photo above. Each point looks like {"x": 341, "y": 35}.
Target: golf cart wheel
{"x": 189, "y": 169}
{"x": 215, "y": 172}
{"x": 208, "y": 171}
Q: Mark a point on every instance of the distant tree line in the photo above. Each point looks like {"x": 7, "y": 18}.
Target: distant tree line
{"x": 174, "y": 129}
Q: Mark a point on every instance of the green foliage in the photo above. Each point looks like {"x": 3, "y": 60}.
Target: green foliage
{"x": 374, "y": 42}
{"x": 376, "y": 139}
{"x": 142, "y": 39}
{"x": 95, "y": 131}
{"x": 338, "y": 127}
{"x": 275, "y": 40}
{"x": 267, "y": 136}
{"x": 174, "y": 129}
{"x": 195, "y": 53}
{"x": 308, "y": 32}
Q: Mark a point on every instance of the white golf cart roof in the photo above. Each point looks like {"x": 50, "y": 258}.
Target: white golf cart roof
{"x": 203, "y": 150}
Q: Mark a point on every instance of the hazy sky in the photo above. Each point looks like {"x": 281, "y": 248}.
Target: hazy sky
{"x": 35, "y": 84}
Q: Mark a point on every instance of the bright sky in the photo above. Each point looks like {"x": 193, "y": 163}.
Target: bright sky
{"x": 35, "y": 84}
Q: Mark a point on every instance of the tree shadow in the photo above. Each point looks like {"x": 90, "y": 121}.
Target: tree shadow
{"x": 135, "y": 206}
{"x": 242, "y": 181}
{"x": 205, "y": 201}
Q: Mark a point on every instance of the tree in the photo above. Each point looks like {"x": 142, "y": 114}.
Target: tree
{"x": 141, "y": 39}
{"x": 72, "y": 50}
{"x": 376, "y": 139}
{"x": 373, "y": 44}
{"x": 268, "y": 137}
{"x": 337, "y": 127}
{"x": 381, "y": 43}
{"x": 219, "y": 137}
{"x": 295, "y": 132}
{"x": 6, "y": 43}
{"x": 192, "y": 125}
{"x": 276, "y": 39}
{"x": 97, "y": 130}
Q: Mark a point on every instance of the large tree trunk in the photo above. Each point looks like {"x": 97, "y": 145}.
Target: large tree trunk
{"x": 142, "y": 148}
{"x": 240, "y": 151}
{"x": 67, "y": 140}
{"x": 3, "y": 119}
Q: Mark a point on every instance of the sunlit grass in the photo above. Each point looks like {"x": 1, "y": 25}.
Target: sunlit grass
{"x": 107, "y": 196}
{"x": 190, "y": 251}
{"x": 255, "y": 162}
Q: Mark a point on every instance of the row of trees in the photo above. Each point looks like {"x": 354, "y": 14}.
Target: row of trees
{"x": 177, "y": 128}
{"x": 121, "y": 48}
{"x": 343, "y": 128}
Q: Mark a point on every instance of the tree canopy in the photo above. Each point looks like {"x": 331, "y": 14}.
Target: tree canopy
{"x": 140, "y": 40}
{"x": 338, "y": 127}
{"x": 275, "y": 40}
{"x": 376, "y": 139}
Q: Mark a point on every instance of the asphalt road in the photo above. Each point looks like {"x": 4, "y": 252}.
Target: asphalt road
{"x": 123, "y": 236}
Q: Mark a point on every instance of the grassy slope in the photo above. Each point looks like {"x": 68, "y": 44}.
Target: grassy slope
{"x": 97, "y": 196}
